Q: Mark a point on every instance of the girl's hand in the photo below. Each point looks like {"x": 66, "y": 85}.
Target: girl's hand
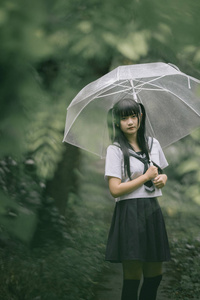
{"x": 151, "y": 173}
{"x": 160, "y": 181}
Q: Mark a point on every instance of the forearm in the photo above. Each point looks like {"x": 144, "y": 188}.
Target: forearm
{"x": 118, "y": 188}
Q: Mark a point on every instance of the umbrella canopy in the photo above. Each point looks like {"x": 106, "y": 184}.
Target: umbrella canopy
{"x": 170, "y": 97}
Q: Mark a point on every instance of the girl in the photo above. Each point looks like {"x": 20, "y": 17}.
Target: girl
{"x": 137, "y": 236}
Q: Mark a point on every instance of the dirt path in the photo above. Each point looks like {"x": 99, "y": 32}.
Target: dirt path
{"x": 110, "y": 288}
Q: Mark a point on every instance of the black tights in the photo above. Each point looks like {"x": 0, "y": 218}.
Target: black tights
{"x": 149, "y": 288}
{"x": 130, "y": 289}
{"x": 148, "y": 291}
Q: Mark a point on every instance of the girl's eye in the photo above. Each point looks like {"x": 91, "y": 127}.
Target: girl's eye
{"x": 125, "y": 118}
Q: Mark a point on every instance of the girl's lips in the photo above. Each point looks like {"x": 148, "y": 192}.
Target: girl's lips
{"x": 131, "y": 127}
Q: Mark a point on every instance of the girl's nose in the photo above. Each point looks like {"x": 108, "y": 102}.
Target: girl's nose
{"x": 130, "y": 121}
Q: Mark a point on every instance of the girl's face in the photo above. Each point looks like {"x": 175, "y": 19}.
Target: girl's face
{"x": 129, "y": 125}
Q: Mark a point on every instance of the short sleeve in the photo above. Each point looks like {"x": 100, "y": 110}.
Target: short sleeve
{"x": 162, "y": 158}
{"x": 113, "y": 162}
{"x": 157, "y": 154}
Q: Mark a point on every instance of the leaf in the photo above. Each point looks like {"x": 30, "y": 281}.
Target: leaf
{"x": 134, "y": 45}
{"x": 19, "y": 221}
{"x": 188, "y": 166}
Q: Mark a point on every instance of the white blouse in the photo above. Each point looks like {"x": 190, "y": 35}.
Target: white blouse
{"x": 114, "y": 167}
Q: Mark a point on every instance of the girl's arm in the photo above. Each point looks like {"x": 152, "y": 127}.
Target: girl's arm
{"x": 118, "y": 188}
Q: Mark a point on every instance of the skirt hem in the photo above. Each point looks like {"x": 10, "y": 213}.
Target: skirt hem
{"x": 138, "y": 259}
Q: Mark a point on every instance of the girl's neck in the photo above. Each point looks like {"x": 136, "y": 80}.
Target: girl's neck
{"x": 135, "y": 147}
{"x": 131, "y": 138}
{"x": 134, "y": 143}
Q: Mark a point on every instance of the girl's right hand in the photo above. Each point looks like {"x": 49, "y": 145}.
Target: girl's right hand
{"x": 152, "y": 172}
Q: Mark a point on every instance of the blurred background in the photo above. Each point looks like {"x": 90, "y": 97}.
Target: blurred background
{"x": 55, "y": 208}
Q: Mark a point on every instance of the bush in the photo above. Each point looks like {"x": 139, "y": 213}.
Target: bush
{"x": 186, "y": 261}
{"x": 68, "y": 254}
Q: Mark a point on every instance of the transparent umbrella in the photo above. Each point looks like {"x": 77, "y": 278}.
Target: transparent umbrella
{"x": 170, "y": 97}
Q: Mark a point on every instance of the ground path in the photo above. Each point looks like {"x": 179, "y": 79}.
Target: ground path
{"x": 111, "y": 285}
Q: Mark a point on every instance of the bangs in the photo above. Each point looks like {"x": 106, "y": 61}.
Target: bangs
{"x": 126, "y": 108}
{"x": 127, "y": 112}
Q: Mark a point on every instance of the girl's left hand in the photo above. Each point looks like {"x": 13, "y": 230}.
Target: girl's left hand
{"x": 160, "y": 181}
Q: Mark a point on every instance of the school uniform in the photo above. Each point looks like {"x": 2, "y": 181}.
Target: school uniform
{"x": 137, "y": 230}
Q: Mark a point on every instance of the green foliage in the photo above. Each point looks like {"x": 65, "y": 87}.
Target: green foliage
{"x": 66, "y": 267}
{"x": 49, "y": 50}
{"x": 182, "y": 220}
{"x": 20, "y": 199}
{"x": 45, "y": 141}
{"x": 186, "y": 261}
{"x": 22, "y": 43}
{"x": 51, "y": 273}
{"x": 184, "y": 158}
{"x": 185, "y": 269}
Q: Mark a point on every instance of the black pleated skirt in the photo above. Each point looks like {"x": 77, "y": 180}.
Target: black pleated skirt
{"x": 138, "y": 232}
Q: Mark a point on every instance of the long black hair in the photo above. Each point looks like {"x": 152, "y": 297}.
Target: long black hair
{"x": 126, "y": 107}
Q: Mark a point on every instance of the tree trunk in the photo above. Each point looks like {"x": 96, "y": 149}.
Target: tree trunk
{"x": 65, "y": 179}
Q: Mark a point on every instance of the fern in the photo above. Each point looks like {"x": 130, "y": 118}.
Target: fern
{"x": 45, "y": 138}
